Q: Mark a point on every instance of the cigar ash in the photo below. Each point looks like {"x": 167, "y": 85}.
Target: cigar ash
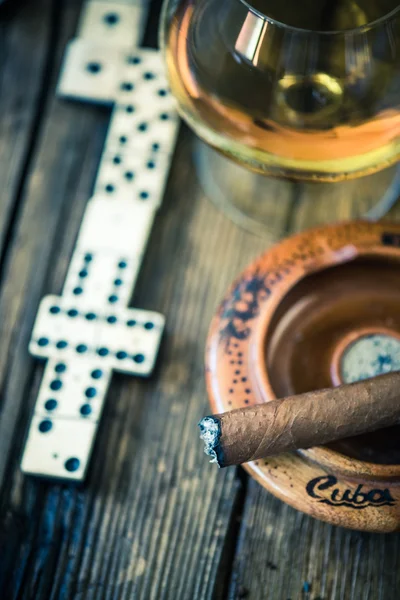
{"x": 210, "y": 433}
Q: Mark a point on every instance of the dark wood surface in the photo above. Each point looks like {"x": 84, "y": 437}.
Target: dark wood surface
{"x": 154, "y": 520}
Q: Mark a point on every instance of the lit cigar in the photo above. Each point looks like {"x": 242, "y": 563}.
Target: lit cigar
{"x": 302, "y": 421}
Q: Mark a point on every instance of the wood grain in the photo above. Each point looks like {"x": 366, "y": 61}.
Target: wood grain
{"x": 62, "y": 168}
{"x": 324, "y": 202}
{"x": 25, "y": 40}
{"x": 284, "y": 554}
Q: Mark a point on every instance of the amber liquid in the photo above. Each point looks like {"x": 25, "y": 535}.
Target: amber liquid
{"x": 286, "y": 102}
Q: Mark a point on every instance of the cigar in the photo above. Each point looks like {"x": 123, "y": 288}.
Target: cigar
{"x": 302, "y": 421}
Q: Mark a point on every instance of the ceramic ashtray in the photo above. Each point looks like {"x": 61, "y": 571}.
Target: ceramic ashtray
{"x": 318, "y": 310}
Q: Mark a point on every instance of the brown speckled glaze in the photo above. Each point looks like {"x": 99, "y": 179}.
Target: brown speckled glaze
{"x": 281, "y": 329}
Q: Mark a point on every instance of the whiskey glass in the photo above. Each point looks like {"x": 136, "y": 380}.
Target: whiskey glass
{"x": 289, "y": 96}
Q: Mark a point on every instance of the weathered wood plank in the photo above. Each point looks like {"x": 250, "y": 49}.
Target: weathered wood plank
{"x": 70, "y": 144}
{"x": 284, "y": 554}
{"x": 326, "y": 202}
{"x": 25, "y": 40}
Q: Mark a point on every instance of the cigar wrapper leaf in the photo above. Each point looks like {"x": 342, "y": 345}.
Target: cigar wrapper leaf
{"x": 301, "y": 421}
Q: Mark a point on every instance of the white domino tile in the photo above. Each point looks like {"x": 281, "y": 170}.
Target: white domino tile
{"x": 132, "y": 340}
{"x": 73, "y": 389}
{"x": 63, "y": 331}
{"x": 116, "y": 227}
{"x": 147, "y": 129}
{"x": 137, "y": 177}
{"x": 106, "y": 280}
{"x": 144, "y": 70}
{"x": 89, "y": 331}
{"x": 113, "y": 23}
{"x": 91, "y": 71}
{"x": 62, "y": 452}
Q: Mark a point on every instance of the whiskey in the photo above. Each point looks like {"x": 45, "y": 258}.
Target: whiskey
{"x": 286, "y": 101}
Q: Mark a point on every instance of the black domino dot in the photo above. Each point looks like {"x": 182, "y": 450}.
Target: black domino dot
{"x": 122, "y": 264}
{"x": 111, "y": 319}
{"x": 72, "y": 312}
{"x": 118, "y": 282}
{"x": 109, "y": 188}
{"x": 78, "y": 291}
{"x": 43, "y": 341}
{"x": 81, "y": 348}
{"x": 111, "y": 18}
{"x": 246, "y": 401}
{"x": 90, "y": 392}
{"x": 133, "y": 60}
{"x": 102, "y": 351}
{"x": 50, "y": 404}
{"x": 45, "y": 426}
{"x": 121, "y": 355}
{"x": 97, "y": 374}
{"x": 248, "y": 391}
{"x": 142, "y": 127}
{"x": 164, "y": 116}
{"x": 131, "y": 323}
{"x": 149, "y": 325}
{"x": 138, "y": 358}
{"x": 83, "y": 273}
{"x": 60, "y": 368}
{"x": 123, "y": 139}
{"x": 85, "y": 410}
{"x": 144, "y": 195}
{"x": 129, "y": 175}
{"x": 162, "y": 93}
{"x": 90, "y": 316}
{"x": 156, "y": 147}
{"x": 72, "y": 464}
{"x": 113, "y": 298}
{"x": 237, "y": 372}
{"x": 130, "y": 108}
{"x": 117, "y": 160}
{"x": 56, "y": 385}
{"x": 61, "y": 344}
{"x": 126, "y": 86}
{"x": 148, "y": 76}
{"x": 244, "y": 379}
{"x": 93, "y": 67}
{"x": 88, "y": 257}
{"x": 54, "y": 310}
{"x": 151, "y": 164}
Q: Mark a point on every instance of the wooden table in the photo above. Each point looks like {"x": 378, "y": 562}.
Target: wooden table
{"x": 154, "y": 519}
